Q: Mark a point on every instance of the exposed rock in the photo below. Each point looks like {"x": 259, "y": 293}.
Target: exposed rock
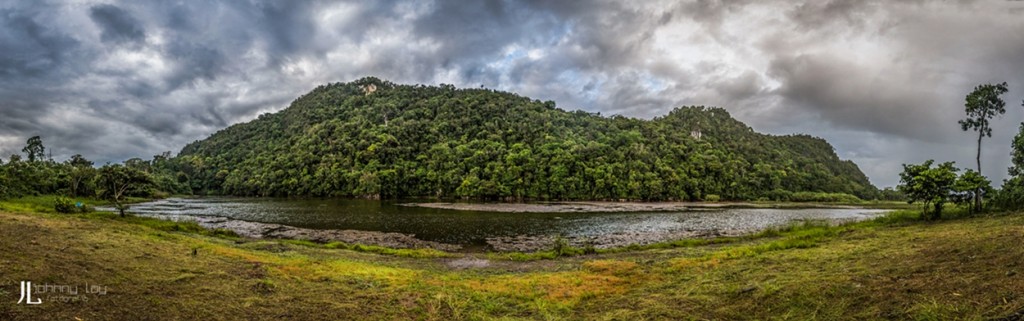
{"x": 525, "y": 243}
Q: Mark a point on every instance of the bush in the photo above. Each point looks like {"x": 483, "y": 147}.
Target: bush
{"x": 824, "y": 197}
{"x": 1011, "y": 197}
{"x": 779, "y": 195}
{"x": 64, "y": 205}
{"x": 712, "y": 198}
{"x": 560, "y": 245}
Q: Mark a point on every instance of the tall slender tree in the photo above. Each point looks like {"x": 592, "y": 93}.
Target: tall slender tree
{"x": 34, "y": 149}
{"x": 981, "y": 105}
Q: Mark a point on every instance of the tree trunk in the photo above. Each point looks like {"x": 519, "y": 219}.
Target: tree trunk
{"x": 977, "y": 193}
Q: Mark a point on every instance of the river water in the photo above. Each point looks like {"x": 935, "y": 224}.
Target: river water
{"x": 476, "y": 229}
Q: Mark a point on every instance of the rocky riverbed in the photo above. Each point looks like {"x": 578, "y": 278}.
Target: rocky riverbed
{"x": 524, "y": 243}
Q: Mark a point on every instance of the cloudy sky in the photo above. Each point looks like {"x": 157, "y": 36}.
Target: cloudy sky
{"x": 883, "y": 81}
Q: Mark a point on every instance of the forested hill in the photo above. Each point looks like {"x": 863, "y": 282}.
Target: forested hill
{"x": 373, "y": 138}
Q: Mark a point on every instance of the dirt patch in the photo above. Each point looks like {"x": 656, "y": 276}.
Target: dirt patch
{"x": 466, "y": 263}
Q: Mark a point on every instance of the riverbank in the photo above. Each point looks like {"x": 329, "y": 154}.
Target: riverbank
{"x": 883, "y": 269}
{"x": 624, "y": 207}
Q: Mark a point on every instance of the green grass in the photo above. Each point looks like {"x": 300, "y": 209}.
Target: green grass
{"x": 893, "y": 267}
{"x": 45, "y": 203}
{"x": 412, "y": 253}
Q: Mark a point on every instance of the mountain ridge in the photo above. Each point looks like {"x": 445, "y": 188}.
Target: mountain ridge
{"x": 375, "y": 138}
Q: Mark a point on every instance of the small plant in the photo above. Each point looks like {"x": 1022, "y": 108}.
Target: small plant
{"x": 64, "y": 205}
{"x": 712, "y": 198}
{"x": 264, "y": 286}
{"x": 560, "y": 246}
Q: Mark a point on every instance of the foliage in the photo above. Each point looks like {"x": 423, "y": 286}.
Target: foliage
{"x": 931, "y": 186}
{"x": 64, "y": 205}
{"x": 77, "y": 177}
{"x": 34, "y": 149}
{"x": 80, "y": 176}
{"x": 891, "y": 194}
{"x": 116, "y": 182}
{"x": 823, "y": 197}
{"x": 969, "y": 188}
{"x": 26, "y": 178}
{"x": 403, "y": 141}
{"x": 1017, "y": 153}
{"x": 982, "y": 104}
{"x": 1011, "y": 196}
{"x": 561, "y": 247}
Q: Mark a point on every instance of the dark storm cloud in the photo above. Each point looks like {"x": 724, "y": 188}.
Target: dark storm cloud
{"x": 20, "y": 113}
{"x": 837, "y": 91}
{"x": 31, "y": 49}
{"x": 117, "y": 24}
{"x": 884, "y": 81}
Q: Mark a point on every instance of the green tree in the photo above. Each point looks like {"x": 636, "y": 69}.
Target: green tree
{"x": 117, "y": 182}
{"x": 981, "y": 106}
{"x": 4, "y": 182}
{"x": 34, "y": 149}
{"x": 931, "y": 186}
{"x": 1017, "y": 153}
{"x": 970, "y": 186}
{"x": 1012, "y": 194}
{"x": 891, "y": 194}
{"x": 77, "y": 161}
{"x": 80, "y": 176}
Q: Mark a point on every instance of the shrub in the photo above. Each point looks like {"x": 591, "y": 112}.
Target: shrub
{"x": 779, "y": 195}
{"x": 712, "y": 198}
{"x": 1011, "y": 197}
{"x": 64, "y": 205}
{"x": 560, "y": 245}
{"x": 824, "y": 197}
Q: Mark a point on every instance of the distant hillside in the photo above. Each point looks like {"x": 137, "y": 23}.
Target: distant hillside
{"x": 373, "y": 138}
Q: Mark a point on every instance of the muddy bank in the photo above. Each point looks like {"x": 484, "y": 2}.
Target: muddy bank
{"x": 278, "y": 231}
{"x": 525, "y": 243}
{"x": 603, "y": 207}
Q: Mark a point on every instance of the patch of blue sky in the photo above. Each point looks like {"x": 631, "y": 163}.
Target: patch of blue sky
{"x": 589, "y": 85}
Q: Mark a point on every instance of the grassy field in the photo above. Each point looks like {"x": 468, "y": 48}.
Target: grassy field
{"x": 890, "y": 268}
